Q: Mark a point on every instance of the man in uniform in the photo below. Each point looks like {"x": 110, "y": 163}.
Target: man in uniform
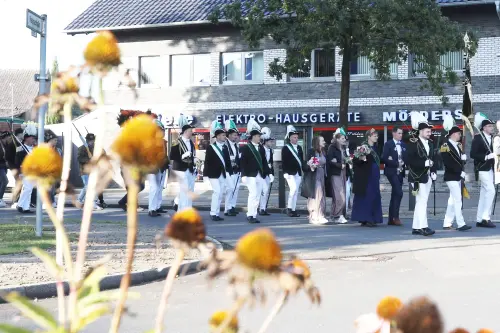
{"x": 267, "y": 143}
{"x": 233, "y": 136}
{"x": 84, "y": 157}
{"x": 292, "y": 158}
{"x": 422, "y": 171}
{"x": 254, "y": 169}
{"x": 453, "y": 160}
{"x": 26, "y": 147}
{"x": 218, "y": 169}
{"x": 481, "y": 152}
{"x": 182, "y": 156}
{"x": 156, "y": 181}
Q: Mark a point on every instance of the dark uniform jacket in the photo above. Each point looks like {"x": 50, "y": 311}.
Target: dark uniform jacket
{"x": 290, "y": 164}
{"x": 452, "y": 160}
{"x": 214, "y": 168}
{"x": 270, "y": 163}
{"x": 10, "y": 153}
{"x": 84, "y": 157}
{"x": 249, "y": 165}
{"x": 236, "y": 163}
{"x": 176, "y": 153}
{"x": 416, "y": 157}
{"x": 479, "y": 150}
{"x": 20, "y": 156}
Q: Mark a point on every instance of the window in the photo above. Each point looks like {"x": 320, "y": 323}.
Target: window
{"x": 453, "y": 60}
{"x": 323, "y": 64}
{"x": 243, "y": 67}
{"x": 115, "y": 79}
{"x": 363, "y": 66}
{"x": 149, "y": 71}
{"x": 187, "y": 70}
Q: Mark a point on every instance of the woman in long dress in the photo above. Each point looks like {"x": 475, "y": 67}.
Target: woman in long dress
{"x": 367, "y": 205}
{"x": 316, "y": 202}
{"x": 337, "y": 168}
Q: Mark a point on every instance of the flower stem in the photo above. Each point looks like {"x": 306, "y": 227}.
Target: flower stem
{"x": 169, "y": 281}
{"x": 133, "y": 191}
{"x": 276, "y": 309}
{"x": 240, "y": 301}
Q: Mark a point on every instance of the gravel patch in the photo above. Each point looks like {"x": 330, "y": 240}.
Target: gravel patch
{"x": 104, "y": 238}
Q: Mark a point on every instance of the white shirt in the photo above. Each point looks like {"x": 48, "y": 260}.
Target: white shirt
{"x": 488, "y": 138}
{"x": 295, "y": 147}
{"x": 455, "y": 145}
{"x": 426, "y": 144}
{"x": 219, "y": 144}
{"x": 268, "y": 153}
{"x": 187, "y": 142}
{"x": 256, "y": 145}
{"x": 232, "y": 146}
{"x": 398, "y": 147}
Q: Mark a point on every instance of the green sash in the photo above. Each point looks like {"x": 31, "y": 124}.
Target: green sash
{"x": 219, "y": 153}
{"x": 257, "y": 156}
{"x": 295, "y": 153}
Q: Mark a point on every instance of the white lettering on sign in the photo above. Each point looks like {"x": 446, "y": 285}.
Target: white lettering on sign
{"x": 433, "y": 115}
{"x": 35, "y": 22}
{"x": 292, "y": 118}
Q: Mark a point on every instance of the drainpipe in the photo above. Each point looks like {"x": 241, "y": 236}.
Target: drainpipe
{"x": 497, "y": 7}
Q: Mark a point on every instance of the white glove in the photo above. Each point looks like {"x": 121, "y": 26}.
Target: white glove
{"x": 464, "y": 157}
{"x": 271, "y": 178}
{"x": 428, "y": 163}
{"x": 186, "y": 154}
{"x": 244, "y": 180}
{"x": 462, "y": 175}
{"x": 285, "y": 175}
{"x": 490, "y": 156}
{"x": 228, "y": 175}
{"x": 232, "y": 157}
{"x": 433, "y": 176}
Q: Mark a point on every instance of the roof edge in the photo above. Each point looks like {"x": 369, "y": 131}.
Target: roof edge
{"x": 179, "y": 24}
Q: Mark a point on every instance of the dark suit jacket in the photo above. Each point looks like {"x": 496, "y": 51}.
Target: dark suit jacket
{"x": 176, "y": 157}
{"x": 271, "y": 161}
{"x": 334, "y": 168}
{"x": 478, "y": 151}
{"x": 20, "y": 156}
{"x": 392, "y": 164}
{"x": 213, "y": 165}
{"x": 452, "y": 160}
{"x": 10, "y": 153}
{"x": 236, "y": 167}
{"x": 290, "y": 164}
{"x": 416, "y": 157}
{"x": 249, "y": 165}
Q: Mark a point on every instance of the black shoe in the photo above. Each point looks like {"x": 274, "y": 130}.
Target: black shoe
{"x": 370, "y": 224}
{"x": 292, "y": 213}
{"x": 262, "y": 212}
{"x": 22, "y": 211}
{"x": 252, "y": 220}
{"x": 464, "y": 228}
{"x": 216, "y": 218}
{"x": 175, "y": 207}
{"x": 234, "y": 211}
{"x": 423, "y": 232}
{"x": 230, "y": 213}
{"x": 485, "y": 224}
{"x": 153, "y": 213}
{"x": 32, "y": 206}
{"x": 449, "y": 228}
{"x": 161, "y": 210}
{"x": 103, "y": 205}
{"x": 123, "y": 206}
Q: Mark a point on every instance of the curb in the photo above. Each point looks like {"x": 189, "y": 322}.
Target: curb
{"x": 49, "y": 289}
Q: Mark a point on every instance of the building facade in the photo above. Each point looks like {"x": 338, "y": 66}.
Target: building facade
{"x": 183, "y": 64}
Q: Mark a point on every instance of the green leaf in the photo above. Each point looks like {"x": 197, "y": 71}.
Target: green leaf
{"x": 36, "y": 313}
{"x": 91, "y": 314}
{"x": 103, "y": 297}
{"x": 4, "y": 328}
{"x": 91, "y": 282}
{"x": 54, "y": 269}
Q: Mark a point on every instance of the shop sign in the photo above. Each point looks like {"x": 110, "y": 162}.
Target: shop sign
{"x": 173, "y": 121}
{"x": 404, "y": 115}
{"x": 291, "y": 118}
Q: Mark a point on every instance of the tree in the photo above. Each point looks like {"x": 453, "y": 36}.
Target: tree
{"x": 386, "y": 31}
{"x": 55, "y": 69}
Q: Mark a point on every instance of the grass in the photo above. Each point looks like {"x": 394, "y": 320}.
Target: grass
{"x": 17, "y": 238}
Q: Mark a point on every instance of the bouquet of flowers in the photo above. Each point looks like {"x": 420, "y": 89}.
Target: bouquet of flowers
{"x": 313, "y": 162}
{"x": 348, "y": 159}
{"x": 362, "y": 150}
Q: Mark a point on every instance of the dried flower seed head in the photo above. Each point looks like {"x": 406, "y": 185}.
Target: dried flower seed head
{"x": 298, "y": 267}
{"x": 186, "y": 226}
{"x": 217, "y": 319}
{"x": 65, "y": 83}
{"x": 259, "y": 250}
{"x": 459, "y": 330}
{"x": 296, "y": 275}
{"x": 485, "y": 330}
{"x": 419, "y": 316}
{"x": 102, "y": 53}
{"x": 388, "y": 307}
{"x": 43, "y": 165}
{"x": 140, "y": 144}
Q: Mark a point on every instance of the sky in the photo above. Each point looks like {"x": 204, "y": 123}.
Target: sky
{"x": 22, "y": 51}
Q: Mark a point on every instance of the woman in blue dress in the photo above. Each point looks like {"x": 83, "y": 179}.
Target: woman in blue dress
{"x": 367, "y": 205}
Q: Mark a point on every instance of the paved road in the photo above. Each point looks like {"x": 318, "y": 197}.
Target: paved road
{"x": 458, "y": 270}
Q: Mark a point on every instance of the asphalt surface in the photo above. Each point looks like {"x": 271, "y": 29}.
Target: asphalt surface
{"x": 352, "y": 266}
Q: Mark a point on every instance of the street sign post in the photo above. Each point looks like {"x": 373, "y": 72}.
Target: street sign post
{"x": 38, "y": 25}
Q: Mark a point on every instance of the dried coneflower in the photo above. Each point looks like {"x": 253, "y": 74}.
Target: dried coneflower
{"x": 485, "y": 330}
{"x": 218, "y": 318}
{"x": 43, "y": 165}
{"x": 186, "y": 231}
{"x": 260, "y": 251}
{"x": 389, "y": 307}
{"x": 420, "y": 315}
{"x": 102, "y": 53}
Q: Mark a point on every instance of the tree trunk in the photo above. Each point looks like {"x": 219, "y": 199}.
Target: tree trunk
{"x": 345, "y": 85}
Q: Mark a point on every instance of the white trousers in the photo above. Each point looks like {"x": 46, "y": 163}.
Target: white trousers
{"x": 486, "y": 196}
{"x": 254, "y": 185}
{"x": 454, "y": 209}
{"x": 293, "y": 182}
{"x": 156, "y": 181}
{"x": 347, "y": 194}
{"x": 25, "y": 197}
{"x": 186, "y": 188}
{"x": 219, "y": 186}
{"x": 420, "y": 214}
{"x": 230, "y": 198}
{"x": 265, "y": 193}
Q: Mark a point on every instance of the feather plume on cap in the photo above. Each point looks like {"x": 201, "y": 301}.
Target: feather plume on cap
{"x": 340, "y": 130}
{"x": 266, "y": 134}
{"x": 30, "y": 128}
{"x": 290, "y": 130}
{"x": 230, "y": 126}
{"x": 448, "y": 122}
{"x": 416, "y": 118}
{"x": 480, "y": 120}
{"x": 216, "y": 129}
{"x": 253, "y": 128}
{"x": 183, "y": 123}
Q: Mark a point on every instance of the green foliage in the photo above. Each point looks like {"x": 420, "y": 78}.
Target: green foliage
{"x": 15, "y": 238}
{"x": 386, "y": 31}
